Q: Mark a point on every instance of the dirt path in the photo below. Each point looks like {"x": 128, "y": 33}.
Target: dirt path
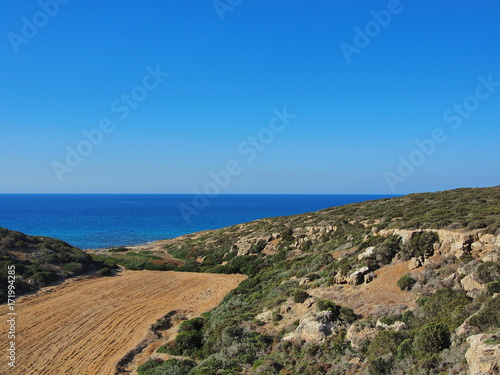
{"x": 86, "y": 327}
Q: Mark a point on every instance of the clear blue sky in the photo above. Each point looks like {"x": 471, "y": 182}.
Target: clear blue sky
{"x": 354, "y": 120}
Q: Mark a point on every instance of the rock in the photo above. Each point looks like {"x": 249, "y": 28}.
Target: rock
{"x": 243, "y": 247}
{"x": 266, "y": 316}
{"x": 314, "y": 328}
{"x": 309, "y": 302}
{"x": 483, "y": 356}
{"x": 368, "y": 252}
{"x": 471, "y": 285}
{"x": 304, "y": 281}
{"x": 369, "y": 277}
{"x": 396, "y": 326}
{"x": 340, "y": 279}
{"x": 286, "y": 307}
{"x": 414, "y": 263}
{"x": 357, "y": 277}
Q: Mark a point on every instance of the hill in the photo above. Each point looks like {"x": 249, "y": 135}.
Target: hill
{"x": 38, "y": 261}
{"x": 393, "y": 286}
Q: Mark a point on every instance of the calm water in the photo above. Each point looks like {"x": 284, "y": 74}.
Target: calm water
{"x": 96, "y": 221}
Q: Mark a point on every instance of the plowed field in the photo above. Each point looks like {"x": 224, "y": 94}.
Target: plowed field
{"x": 86, "y": 327}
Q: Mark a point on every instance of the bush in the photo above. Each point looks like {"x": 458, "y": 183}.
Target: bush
{"x": 432, "y": 338}
{"x": 326, "y": 305}
{"x": 347, "y": 314}
{"x": 420, "y": 245}
{"x": 382, "y": 350}
{"x": 73, "y": 267}
{"x": 45, "y": 277}
{"x": 488, "y": 272}
{"x": 300, "y": 296}
{"x": 170, "y": 367}
{"x": 104, "y": 272}
{"x": 493, "y": 287}
{"x": 488, "y": 317}
{"x": 406, "y": 282}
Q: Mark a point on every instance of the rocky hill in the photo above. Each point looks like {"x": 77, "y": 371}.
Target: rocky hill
{"x": 407, "y": 285}
{"x": 38, "y": 261}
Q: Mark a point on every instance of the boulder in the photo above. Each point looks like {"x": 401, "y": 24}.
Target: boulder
{"x": 314, "y": 327}
{"x": 340, "y": 278}
{"x": 414, "y": 263}
{"x": 304, "y": 281}
{"x": 368, "y": 252}
{"x": 471, "y": 285}
{"x": 483, "y": 356}
{"x": 358, "y": 276}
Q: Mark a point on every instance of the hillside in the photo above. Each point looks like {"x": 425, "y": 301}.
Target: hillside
{"x": 393, "y": 286}
{"x": 38, "y": 261}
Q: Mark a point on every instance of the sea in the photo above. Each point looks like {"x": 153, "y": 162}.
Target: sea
{"x": 94, "y": 221}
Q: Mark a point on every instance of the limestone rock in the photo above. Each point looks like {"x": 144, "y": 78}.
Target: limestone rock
{"x": 314, "y": 327}
{"x": 414, "y": 263}
{"x": 471, "y": 285}
{"x": 368, "y": 252}
{"x": 266, "y": 316}
{"x": 397, "y": 326}
{"x": 304, "y": 281}
{"x": 483, "y": 356}
{"x": 357, "y": 277}
{"x": 340, "y": 278}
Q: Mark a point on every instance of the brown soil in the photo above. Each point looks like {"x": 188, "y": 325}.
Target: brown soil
{"x": 366, "y": 298}
{"x": 86, "y": 327}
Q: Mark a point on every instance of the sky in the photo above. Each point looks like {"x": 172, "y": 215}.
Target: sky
{"x": 231, "y": 96}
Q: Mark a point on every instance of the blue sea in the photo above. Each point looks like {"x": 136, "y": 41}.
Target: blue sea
{"x": 91, "y": 221}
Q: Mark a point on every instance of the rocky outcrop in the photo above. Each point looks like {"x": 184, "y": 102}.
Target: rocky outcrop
{"x": 368, "y": 252}
{"x": 358, "y": 276}
{"x": 483, "y": 356}
{"x": 396, "y": 326}
{"x": 454, "y": 242}
{"x": 472, "y": 285}
{"x": 314, "y": 327}
{"x": 414, "y": 263}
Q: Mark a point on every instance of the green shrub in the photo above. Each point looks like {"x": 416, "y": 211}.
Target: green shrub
{"x": 488, "y": 272}
{"x": 300, "y": 296}
{"x": 406, "y": 282}
{"x": 420, "y": 245}
{"x": 488, "y": 317}
{"x": 45, "y": 277}
{"x": 432, "y": 338}
{"x": 104, "y": 272}
{"x": 326, "y": 305}
{"x": 170, "y": 367}
{"x": 347, "y": 314}
{"x": 382, "y": 351}
{"x": 73, "y": 267}
{"x": 493, "y": 287}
